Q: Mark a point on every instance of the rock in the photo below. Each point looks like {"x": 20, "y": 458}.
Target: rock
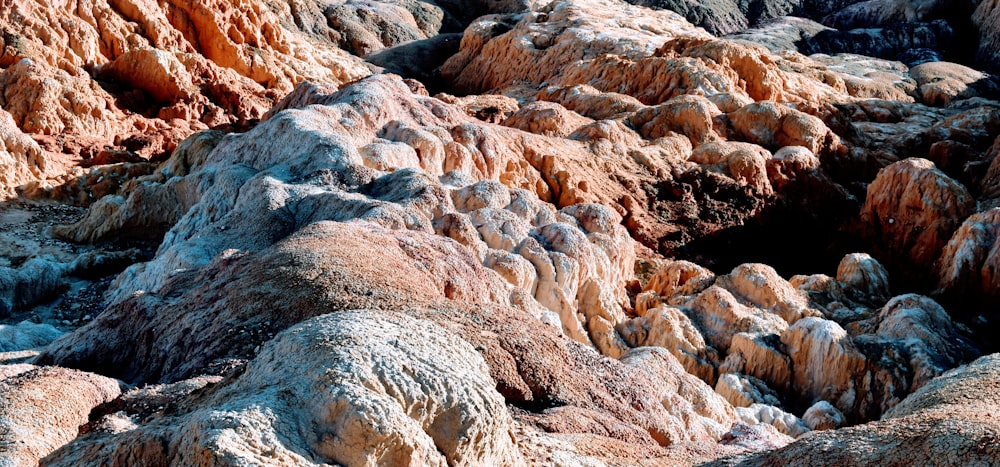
{"x": 760, "y": 355}
{"x": 912, "y": 209}
{"x": 823, "y": 416}
{"x": 590, "y": 102}
{"x": 744, "y": 391}
{"x": 14, "y": 369}
{"x": 759, "y": 437}
{"x": 362, "y": 373}
{"x": 577, "y": 254}
{"x": 760, "y": 285}
{"x": 420, "y": 60}
{"x": 950, "y": 420}
{"x": 159, "y": 74}
{"x": 545, "y": 118}
{"x": 537, "y": 47}
{"x": 825, "y": 363}
{"x": 940, "y": 83}
{"x": 720, "y": 315}
{"x": 968, "y": 266}
{"x": 985, "y": 19}
{"x": 42, "y": 409}
{"x": 165, "y": 70}
{"x": 784, "y": 422}
{"x": 21, "y": 159}
{"x": 670, "y": 328}
{"x": 873, "y": 13}
{"x": 864, "y": 278}
{"x": 679, "y": 278}
{"x": 37, "y": 280}
{"x": 719, "y": 17}
{"x": 781, "y": 33}
{"x": 367, "y": 27}
{"x": 935, "y": 344}
{"x": 714, "y": 414}
{"x": 324, "y": 246}
{"x": 774, "y": 126}
{"x": 26, "y": 335}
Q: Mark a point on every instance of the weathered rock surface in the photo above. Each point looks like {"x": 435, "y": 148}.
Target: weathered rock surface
{"x": 140, "y": 77}
{"x": 986, "y": 19}
{"x": 26, "y": 335}
{"x": 278, "y": 229}
{"x": 21, "y": 159}
{"x": 365, "y": 388}
{"x": 43, "y": 408}
{"x": 940, "y": 83}
{"x": 508, "y": 249}
{"x": 777, "y": 347}
{"x": 911, "y": 211}
{"x": 968, "y": 267}
{"x": 950, "y": 420}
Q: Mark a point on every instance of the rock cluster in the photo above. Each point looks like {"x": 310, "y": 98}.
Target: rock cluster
{"x": 139, "y": 77}
{"x": 559, "y": 259}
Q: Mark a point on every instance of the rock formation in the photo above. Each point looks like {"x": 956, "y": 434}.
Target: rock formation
{"x": 985, "y": 18}
{"x": 949, "y": 420}
{"x": 141, "y": 77}
{"x": 43, "y": 408}
{"x": 913, "y": 209}
{"x": 506, "y": 232}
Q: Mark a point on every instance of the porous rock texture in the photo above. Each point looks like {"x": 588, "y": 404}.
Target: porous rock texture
{"x": 951, "y": 420}
{"x": 21, "y": 158}
{"x": 986, "y": 19}
{"x": 912, "y": 209}
{"x": 557, "y": 272}
{"x": 43, "y": 408}
{"x": 273, "y": 231}
{"x": 141, "y": 76}
{"x": 766, "y": 343}
{"x": 366, "y": 388}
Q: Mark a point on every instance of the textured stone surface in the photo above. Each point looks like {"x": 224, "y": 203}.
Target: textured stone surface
{"x": 352, "y": 388}
{"x": 985, "y": 18}
{"x": 912, "y": 209}
{"x": 950, "y": 420}
{"x": 21, "y": 158}
{"x": 968, "y": 265}
{"x": 557, "y": 272}
{"x": 43, "y": 408}
{"x": 140, "y": 76}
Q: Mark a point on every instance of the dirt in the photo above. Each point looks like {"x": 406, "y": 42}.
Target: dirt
{"x": 24, "y": 235}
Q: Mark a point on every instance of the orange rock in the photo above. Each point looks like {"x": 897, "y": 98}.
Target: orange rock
{"x": 911, "y": 211}
{"x": 969, "y": 266}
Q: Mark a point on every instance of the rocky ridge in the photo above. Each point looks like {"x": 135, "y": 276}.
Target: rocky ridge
{"x": 540, "y": 268}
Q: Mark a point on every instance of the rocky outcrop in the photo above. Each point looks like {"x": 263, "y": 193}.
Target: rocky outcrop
{"x": 21, "y": 159}
{"x": 986, "y": 19}
{"x": 140, "y": 77}
{"x": 968, "y": 266}
{"x": 483, "y": 279}
{"x": 940, "y": 83}
{"x": 43, "y": 408}
{"x": 911, "y": 211}
{"x": 949, "y": 420}
{"x": 778, "y": 348}
{"x": 26, "y": 335}
{"x": 371, "y": 387}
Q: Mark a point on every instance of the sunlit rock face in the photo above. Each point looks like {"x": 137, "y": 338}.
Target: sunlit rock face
{"x": 502, "y": 233}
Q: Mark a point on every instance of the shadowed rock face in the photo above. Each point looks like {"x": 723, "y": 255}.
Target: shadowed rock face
{"x": 570, "y": 240}
{"x": 949, "y": 419}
